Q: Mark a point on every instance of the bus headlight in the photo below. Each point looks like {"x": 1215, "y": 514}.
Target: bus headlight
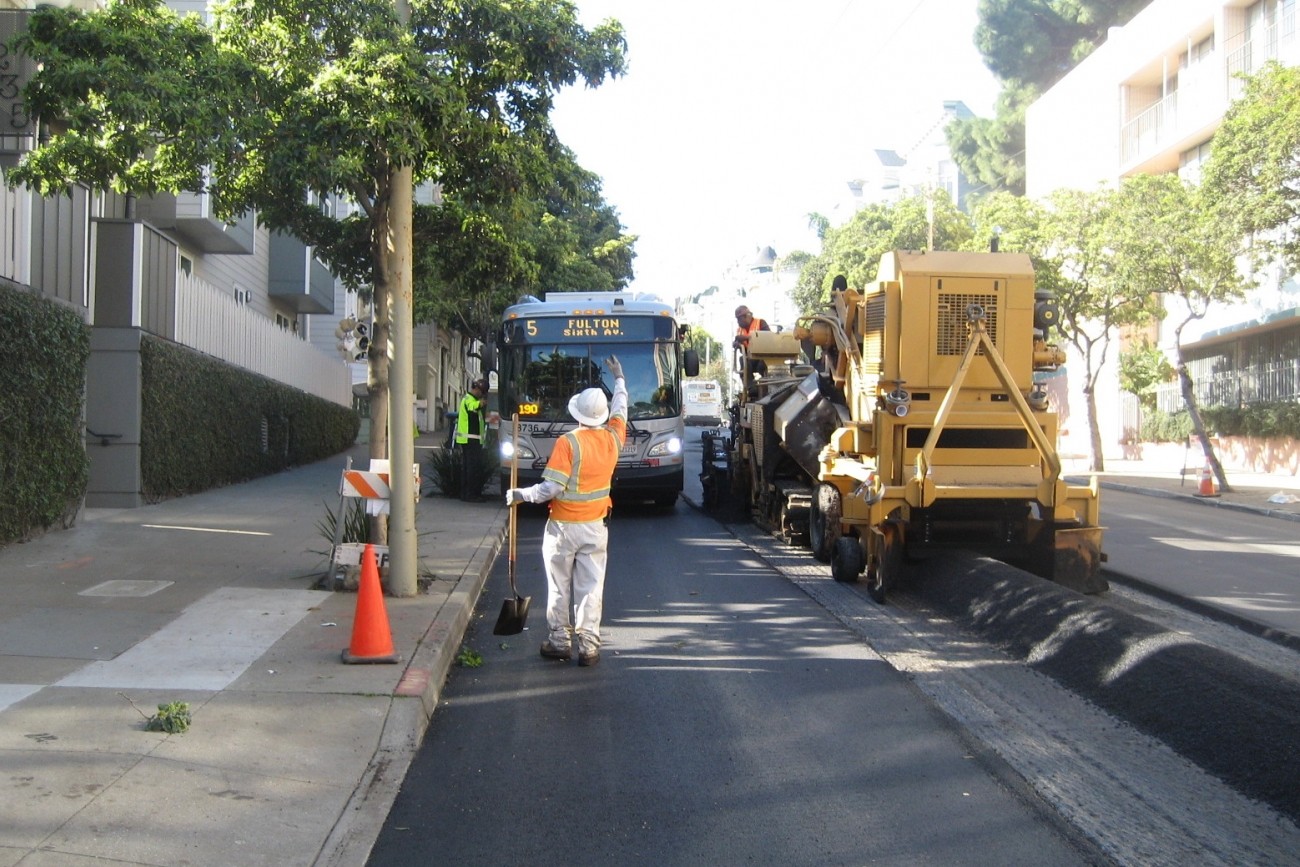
{"x": 508, "y": 452}
{"x": 671, "y": 446}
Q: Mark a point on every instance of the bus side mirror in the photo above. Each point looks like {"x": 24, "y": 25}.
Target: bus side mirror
{"x": 691, "y": 361}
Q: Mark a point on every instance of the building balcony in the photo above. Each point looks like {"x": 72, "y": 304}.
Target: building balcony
{"x": 189, "y": 217}
{"x": 297, "y": 278}
{"x": 1277, "y": 42}
{"x": 1153, "y": 140}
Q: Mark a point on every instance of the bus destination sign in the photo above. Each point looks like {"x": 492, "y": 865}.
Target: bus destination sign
{"x": 583, "y": 328}
{"x": 578, "y": 327}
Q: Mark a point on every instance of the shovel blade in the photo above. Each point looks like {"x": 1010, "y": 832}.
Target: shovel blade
{"x": 514, "y": 613}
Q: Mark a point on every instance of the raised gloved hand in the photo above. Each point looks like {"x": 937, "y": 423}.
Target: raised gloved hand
{"x": 615, "y": 367}
{"x": 514, "y": 495}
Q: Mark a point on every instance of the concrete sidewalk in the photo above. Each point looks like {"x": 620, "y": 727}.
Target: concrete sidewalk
{"x": 293, "y": 757}
{"x": 1274, "y": 494}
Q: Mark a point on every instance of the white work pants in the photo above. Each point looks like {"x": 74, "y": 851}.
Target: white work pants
{"x": 574, "y": 555}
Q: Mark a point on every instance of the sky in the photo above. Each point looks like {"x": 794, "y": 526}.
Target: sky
{"x": 738, "y": 118}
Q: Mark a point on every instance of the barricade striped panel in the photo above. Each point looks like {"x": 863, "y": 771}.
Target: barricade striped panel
{"x": 359, "y": 483}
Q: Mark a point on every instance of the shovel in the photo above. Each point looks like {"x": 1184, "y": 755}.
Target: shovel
{"x": 514, "y": 611}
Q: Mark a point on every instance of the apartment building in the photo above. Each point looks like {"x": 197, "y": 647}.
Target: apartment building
{"x": 1149, "y": 100}
{"x": 167, "y": 267}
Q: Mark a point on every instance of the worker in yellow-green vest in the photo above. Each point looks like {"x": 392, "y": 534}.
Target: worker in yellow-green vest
{"x": 471, "y": 426}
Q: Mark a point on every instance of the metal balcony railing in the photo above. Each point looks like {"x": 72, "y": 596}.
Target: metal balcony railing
{"x": 1145, "y": 132}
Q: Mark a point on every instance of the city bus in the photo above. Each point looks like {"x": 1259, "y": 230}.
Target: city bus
{"x": 548, "y": 351}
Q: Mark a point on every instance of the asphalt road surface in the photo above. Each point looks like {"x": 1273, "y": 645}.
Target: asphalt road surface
{"x": 732, "y": 720}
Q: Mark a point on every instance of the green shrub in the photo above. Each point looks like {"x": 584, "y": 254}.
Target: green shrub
{"x": 356, "y": 523}
{"x": 1262, "y": 420}
{"x": 444, "y": 467}
{"x": 1165, "y": 427}
{"x": 43, "y": 463}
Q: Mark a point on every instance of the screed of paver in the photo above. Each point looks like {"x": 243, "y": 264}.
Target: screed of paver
{"x": 210, "y": 644}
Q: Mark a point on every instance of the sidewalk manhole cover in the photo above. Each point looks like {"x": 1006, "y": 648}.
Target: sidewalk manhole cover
{"x": 124, "y": 587}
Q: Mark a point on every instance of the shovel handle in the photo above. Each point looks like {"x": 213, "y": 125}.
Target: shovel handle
{"x": 514, "y": 481}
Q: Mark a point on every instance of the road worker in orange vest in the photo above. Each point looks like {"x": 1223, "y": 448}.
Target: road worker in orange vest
{"x": 575, "y": 547}
{"x": 746, "y": 324}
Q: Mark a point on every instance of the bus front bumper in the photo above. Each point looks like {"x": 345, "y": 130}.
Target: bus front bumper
{"x": 628, "y": 479}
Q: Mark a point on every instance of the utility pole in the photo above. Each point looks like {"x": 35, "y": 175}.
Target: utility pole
{"x": 402, "y": 538}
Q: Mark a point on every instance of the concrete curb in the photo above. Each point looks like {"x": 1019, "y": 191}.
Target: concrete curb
{"x": 350, "y": 841}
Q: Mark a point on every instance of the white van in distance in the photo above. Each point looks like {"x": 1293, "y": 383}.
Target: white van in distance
{"x": 701, "y": 401}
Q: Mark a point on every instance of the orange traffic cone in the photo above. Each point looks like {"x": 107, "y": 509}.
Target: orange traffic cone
{"x": 1206, "y": 486}
{"x": 372, "y": 639}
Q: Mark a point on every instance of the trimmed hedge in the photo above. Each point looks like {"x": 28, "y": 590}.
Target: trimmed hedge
{"x": 208, "y": 424}
{"x": 1256, "y": 420}
{"x": 43, "y": 464}
{"x": 1165, "y": 427}
{"x": 1262, "y": 420}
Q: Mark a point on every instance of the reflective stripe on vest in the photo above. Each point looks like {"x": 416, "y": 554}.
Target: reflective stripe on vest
{"x": 572, "y": 489}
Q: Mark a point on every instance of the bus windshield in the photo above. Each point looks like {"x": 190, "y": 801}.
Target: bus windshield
{"x": 541, "y": 377}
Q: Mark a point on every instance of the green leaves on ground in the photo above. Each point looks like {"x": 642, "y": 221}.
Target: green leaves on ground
{"x": 172, "y": 717}
{"x": 469, "y": 658}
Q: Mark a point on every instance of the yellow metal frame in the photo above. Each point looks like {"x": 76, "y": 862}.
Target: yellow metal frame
{"x": 870, "y": 496}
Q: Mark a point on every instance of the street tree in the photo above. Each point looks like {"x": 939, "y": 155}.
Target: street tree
{"x": 1066, "y": 238}
{"x": 1142, "y": 369}
{"x": 287, "y": 106}
{"x": 925, "y": 222}
{"x": 1252, "y": 177}
{"x": 1168, "y": 241}
{"x": 1028, "y": 45}
{"x": 474, "y": 258}
{"x": 812, "y": 287}
{"x": 991, "y": 150}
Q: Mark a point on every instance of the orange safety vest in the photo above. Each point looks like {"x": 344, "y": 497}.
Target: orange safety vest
{"x": 755, "y": 324}
{"x": 583, "y": 464}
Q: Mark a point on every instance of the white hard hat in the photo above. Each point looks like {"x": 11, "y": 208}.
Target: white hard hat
{"x": 589, "y": 407}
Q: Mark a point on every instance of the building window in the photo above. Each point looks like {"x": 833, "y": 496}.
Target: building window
{"x": 1192, "y": 160}
{"x": 282, "y": 321}
{"x": 1198, "y": 53}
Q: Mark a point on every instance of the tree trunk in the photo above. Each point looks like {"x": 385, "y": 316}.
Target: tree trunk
{"x": 1096, "y": 462}
{"x": 377, "y": 376}
{"x": 1198, "y": 426}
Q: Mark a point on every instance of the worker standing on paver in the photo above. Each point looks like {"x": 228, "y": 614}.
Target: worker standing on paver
{"x": 575, "y": 547}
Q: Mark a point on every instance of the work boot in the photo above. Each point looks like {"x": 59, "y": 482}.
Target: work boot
{"x": 588, "y": 657}
{"x": 550, "y": 651}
